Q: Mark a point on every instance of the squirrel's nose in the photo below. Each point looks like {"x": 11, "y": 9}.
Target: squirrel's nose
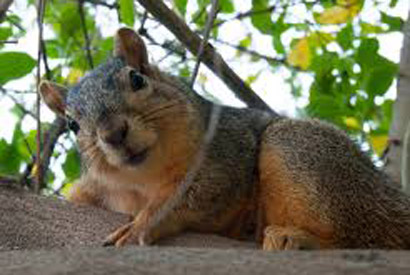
{"x": 115, "y": 135}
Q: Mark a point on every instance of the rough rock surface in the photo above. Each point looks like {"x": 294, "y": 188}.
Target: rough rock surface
{"x": 41, "y": 235}
{"x": 28, "y": 221}
{"x": 167, "y": 260}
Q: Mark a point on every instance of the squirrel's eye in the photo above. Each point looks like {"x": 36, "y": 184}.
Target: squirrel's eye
{"x": 73, "y": 125}
{"x": 137, "y": 81}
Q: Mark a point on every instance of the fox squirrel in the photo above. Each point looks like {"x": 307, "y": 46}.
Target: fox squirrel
{"x": 285, "y": 183}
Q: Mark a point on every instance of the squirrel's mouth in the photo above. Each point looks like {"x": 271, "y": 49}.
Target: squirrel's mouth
{"x": 137, "y": 158}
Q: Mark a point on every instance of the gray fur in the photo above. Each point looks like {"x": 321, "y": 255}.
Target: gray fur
{"x": 97, "y": 94}
{"x": 366, "y": 209}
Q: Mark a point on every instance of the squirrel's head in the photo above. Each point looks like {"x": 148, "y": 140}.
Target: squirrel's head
{"x": 120, "y": 110}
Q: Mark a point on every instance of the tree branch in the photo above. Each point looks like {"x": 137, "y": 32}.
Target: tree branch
{"x": 207, "y": 30}
{"x": 58, "y": 127}
{"x": 85, "y": 33}
{"x": 4, "y": 6}
{"x": 210, "y": 57}
{"x": 401, "y": 115}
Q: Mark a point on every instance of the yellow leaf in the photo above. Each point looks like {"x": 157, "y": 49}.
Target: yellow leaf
{"x": 352, "y": 123}
{"x": 379, "y": 143}
{"x": 347, "y": 3}
{"x": 74, "y": 75}
{"x": 34, "y": 171}
{"x": 343, "y": 12}
{"x": 300, "y": 55}
{"x": 333, "y": 15}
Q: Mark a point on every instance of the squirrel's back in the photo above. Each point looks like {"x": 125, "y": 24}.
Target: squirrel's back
{"x": 346, "y": 200}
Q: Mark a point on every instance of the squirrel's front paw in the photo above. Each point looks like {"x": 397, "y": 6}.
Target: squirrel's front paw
{"x": 130, "y": 233}
{"x": 287, "y": 238}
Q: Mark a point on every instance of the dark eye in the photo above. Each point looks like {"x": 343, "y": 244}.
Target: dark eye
{"x": 73, "y": 125}
{"x": 137, "y": 81}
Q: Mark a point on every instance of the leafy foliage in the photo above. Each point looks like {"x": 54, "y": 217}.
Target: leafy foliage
{"x": 14, "y": 65}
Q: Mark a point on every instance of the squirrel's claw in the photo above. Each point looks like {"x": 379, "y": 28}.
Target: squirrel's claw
{"x": 129, "y": 233}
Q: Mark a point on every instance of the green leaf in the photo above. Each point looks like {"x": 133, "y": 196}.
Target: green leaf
{"x": 19, "y": 144}
{"x": 386, "y": 116}
{"x": 181, "y": 6}
{"x": 393, "y": 3}
{"x": 9, "y": 161}
{"x": 326, "y": 107}
{"x": 261, "y": 21}
{"x": 377, "y": 71}
{"x": 367, "y": 28}
{"x": 105, "y": 48}
{"x": 10, "y": 154}
{"x": 71, "y": 165}
{"x": 5, "y": 33}
{"x": 366, "y": 52}
{"x": 226, "y": 6}
{"x": 394, "y": 23}
{"x": 323, "y": 64}
{"x": 53, "y": 48}
{"x": 246, "y": 42}
{"x": 381, "y": 77}
{"x": 14, "y": 65}
{"x": 184, "y": 72}
{"x": 278, "y": 28}
{"x": 203, "y": 3}
{"x": 345, "y": 37}
{"x": 252, "y": 78}
{"x": 127, "y": 12}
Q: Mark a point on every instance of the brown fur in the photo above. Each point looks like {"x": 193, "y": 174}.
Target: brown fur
{"x": 287, "y": 184}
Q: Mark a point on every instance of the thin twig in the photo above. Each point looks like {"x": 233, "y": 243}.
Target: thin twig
{"x": 45, "y": 60}
{"x": 9, "y": 41}
{"x": 40, "y": 17}
{"x": 166, "y": 45}
{"x": 102, "y": 3}
{"x": 249, "y": 13}
{"x": 252, "y": 52}
{"x": 143, "y": 20}
{"x": 85, "y": 33}
{"x": 58, "y": 127}
{"x": 208, "y": 27}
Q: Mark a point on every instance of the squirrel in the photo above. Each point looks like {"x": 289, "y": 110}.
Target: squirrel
{"x": 285, "y": 183}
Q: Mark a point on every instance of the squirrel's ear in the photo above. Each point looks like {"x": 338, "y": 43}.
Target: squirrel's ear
{"x": 54, "y": 96}
{"x": 130, "y": 46}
